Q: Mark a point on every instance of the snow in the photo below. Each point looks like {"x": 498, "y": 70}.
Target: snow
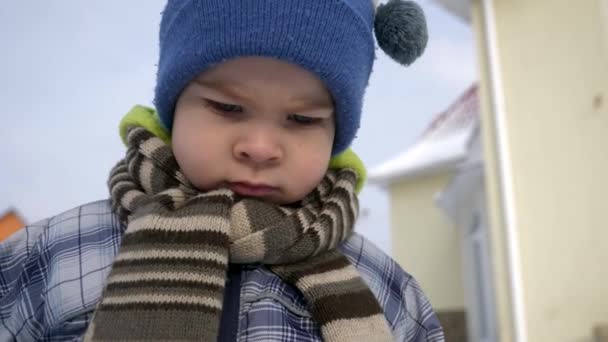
{"x": 423, "y": 157}
{"x": 443, "y": 146}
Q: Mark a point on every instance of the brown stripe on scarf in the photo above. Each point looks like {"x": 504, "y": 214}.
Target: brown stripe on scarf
{"x": 214, "y": 252}
{"x": 152, "y": 308}
{"x": 289, "y": 230}
{"x": 191, "y": 323}
{"x": 319, "y": 264}
{"x": 179, "y": 271}
{"x": 186, "y": 238}
{"x": 162, "y": 283}
{"x": 136, "y": 136}
{"x": 355, "y": 304}
{"x": 170, "y": 262}
{"x": 134, "y": 166}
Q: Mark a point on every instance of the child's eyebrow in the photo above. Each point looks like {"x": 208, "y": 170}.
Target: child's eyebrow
{"x": 300, "y": 102}
{"x": 306, "y": 104}
{"x": 228, "y": 88}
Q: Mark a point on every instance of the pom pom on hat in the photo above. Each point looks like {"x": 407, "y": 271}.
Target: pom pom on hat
{"x": 401, "y": 30}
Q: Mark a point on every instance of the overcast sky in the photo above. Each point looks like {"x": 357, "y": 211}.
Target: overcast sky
{"x": 69, "y": 71}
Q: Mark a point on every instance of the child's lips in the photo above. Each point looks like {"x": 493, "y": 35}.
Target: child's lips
{"x": 249, "y": 189}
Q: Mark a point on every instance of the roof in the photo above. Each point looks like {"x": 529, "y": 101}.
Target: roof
{"x": 459, "y": 8}
{"x": 442, "y": 146}
{"x": 10, "y": 222}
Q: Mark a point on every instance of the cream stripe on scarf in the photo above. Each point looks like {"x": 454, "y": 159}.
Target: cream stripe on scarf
{"x": 171, "y": 254}
{"x": 334, "y": 276}
{"x": 182, "y": 224}
{"x": 164, "y": 299}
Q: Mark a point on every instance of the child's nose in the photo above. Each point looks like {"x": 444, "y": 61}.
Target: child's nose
{"x": 258, "y": 146}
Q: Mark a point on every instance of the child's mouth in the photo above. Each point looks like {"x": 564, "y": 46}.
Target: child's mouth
{"x": 248, "y": 189}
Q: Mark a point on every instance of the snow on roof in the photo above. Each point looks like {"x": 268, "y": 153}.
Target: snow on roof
{"x": 442, "y": 146}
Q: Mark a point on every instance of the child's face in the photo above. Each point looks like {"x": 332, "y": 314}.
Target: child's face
{"x": 260, "y": 126}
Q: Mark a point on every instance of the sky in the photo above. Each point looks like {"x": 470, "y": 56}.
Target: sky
{"x": 70, "y": 69}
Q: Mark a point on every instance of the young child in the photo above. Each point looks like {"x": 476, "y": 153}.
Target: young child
{"x": 231, "y": 216}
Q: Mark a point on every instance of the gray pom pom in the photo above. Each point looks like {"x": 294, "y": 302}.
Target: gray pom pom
{"x": 401, "y": 30}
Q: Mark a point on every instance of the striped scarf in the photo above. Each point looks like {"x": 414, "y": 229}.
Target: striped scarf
{"x": 167, "y": 281}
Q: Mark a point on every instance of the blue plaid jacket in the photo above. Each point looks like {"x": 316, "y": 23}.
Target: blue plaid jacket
{"x": 52, "y": 275}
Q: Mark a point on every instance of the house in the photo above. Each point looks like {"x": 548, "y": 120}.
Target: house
{"x": 538, "y": 191}
{"x": 423, "y": 238}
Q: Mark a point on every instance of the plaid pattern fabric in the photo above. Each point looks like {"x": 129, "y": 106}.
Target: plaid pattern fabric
{"x": 52, "y": 274}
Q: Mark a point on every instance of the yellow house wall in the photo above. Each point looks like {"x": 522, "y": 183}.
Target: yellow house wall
{"x": 554, "y": 67}
{"x": 424, "y": 242}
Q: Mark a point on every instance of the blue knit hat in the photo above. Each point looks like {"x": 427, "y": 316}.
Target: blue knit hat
{"x": 331, "y": 38}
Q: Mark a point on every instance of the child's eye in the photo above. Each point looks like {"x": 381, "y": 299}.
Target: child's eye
{"x": 225, "y": 107}
{"x": 303, "y": 120}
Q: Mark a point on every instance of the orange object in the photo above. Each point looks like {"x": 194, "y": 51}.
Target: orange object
{"x": 10, "y": 222}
